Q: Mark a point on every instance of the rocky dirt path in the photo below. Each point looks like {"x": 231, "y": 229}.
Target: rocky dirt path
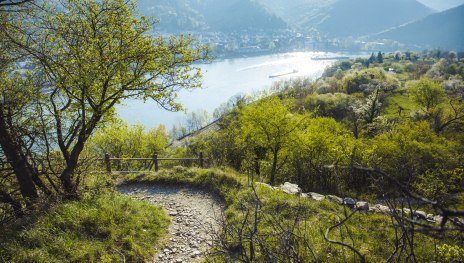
{"x": 194, "y": 219}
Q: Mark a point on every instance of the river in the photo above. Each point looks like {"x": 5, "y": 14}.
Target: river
{"x": 223, "y": 79}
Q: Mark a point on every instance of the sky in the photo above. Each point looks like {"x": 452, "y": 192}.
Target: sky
{"x": 441, "y": 5}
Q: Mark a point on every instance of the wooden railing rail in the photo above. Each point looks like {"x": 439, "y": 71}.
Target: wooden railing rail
{"x": 154, "y": 161}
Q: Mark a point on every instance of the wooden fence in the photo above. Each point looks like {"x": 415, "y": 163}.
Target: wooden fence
{"x": 154, "y": 161}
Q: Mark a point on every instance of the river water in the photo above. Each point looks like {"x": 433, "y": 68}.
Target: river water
{"x": 223, "y": 79}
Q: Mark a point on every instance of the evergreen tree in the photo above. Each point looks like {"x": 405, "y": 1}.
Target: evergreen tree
{"x": 379, "y": 58}
{"x": 372, "y": 58}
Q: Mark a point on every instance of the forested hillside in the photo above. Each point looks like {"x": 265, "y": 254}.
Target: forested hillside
{"x": 400, "y": 113}
{"x": 394, "y": 23}
{"x": 342, "y": 18}
{"x": 335, "y": 18}
{"x": 301, "y": 14}
{"x": 209, "y": 15}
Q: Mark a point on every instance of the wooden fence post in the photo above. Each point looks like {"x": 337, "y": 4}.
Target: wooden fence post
{"x": 201, "y": 160}
{"x": 257, "y": 167}
{"x": 155, "y": 160}
{"x": 108, "y": 163}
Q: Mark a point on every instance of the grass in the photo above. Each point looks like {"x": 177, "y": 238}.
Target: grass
{"x": 105, "y": 228}
{"x": 260, "y": 223}
{"x": 272, "y": 226}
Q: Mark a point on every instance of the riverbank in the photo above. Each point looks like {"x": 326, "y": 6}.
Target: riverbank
{"x": 225, "y": 78}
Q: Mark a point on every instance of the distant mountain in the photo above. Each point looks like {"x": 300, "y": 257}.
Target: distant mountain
{"x": 214, "y": 15}
{"x": 362, "y": 17}
{"x": 343, "y": 18}
{"x": 235, "y": 15}
{"x": 302, "y": 14}
{"x": 442, "y": 5}
{"x": 442, "y": 30}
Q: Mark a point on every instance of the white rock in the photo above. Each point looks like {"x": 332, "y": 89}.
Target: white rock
{"x": 290, "y": 188}
{"x": 438, "y": 219}
{"x": 420, "y": 214}
{"x": 363, "y": 206}
{"x": 383, "y": 208}
{"x": 316, "y": 196}
{"x": 173, "y": 213}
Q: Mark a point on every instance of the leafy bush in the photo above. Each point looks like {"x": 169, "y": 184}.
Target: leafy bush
{"x": 450, "y": 254}
{"x": 354, "y": 82}
{"x": 335, "y": 105}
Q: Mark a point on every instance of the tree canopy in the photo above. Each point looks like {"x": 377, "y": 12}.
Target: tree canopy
{"x": 84, "y": 57}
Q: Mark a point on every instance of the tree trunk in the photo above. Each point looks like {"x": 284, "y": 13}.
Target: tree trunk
{"x": 274, "y": 165}
{"x": 66, "y": 177}
{"x": 18, "y": 162}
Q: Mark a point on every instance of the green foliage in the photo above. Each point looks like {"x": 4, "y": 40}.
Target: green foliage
{"x": 323, "y": 141}
{"x": 450, "y": 254}
{"x": 439, "y": 184}
{"x": 427, "y": 94}
{"x": 333, "y": 105}
{"x": 358, "y": 81}
{"x": 269, "y": 124}
{"x": 409, "y": 150}
{"x": 277, "y": 224}
{"x": 87, "y": 57}
{"x": 368, "y": 125}
{"x": 379, "y": 58}
{"x": 104, "y": 228}
{"x": 368, "y": 111}
{"x": 123, "y": 141}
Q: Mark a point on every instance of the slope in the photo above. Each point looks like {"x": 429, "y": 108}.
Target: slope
{"x": 361, "y": 17}
{"x": 343, "y": 18}
{"x": 233, "y": 15}
{"x": 301, "y": 14}
{"x": 443, "y": 30}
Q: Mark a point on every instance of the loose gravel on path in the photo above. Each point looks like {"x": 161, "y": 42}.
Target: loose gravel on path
{"x": 194, "y": 219}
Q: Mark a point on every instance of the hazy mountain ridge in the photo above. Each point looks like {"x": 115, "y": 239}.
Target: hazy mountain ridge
{"x": 442, "y": 5}
{"x": 444, "y": 30}
{"x": 301, "y": 14}
{"x": 342, "y": 18}
{"x": 329, "y": 19}
{"x": 233, "y": 15}
{"x": 362, "y": 17}
{"x": 174, "y": 14}
{"x": 239, "y": 15}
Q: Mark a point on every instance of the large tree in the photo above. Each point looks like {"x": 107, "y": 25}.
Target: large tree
{"x": 92, "y": 56}
{"x": 269, "y": 124}
{"x": 19, "y": 96}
